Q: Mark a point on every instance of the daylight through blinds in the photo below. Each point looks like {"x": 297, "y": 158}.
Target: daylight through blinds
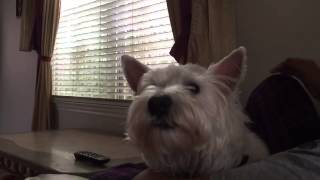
{"x": 92, "y": 36}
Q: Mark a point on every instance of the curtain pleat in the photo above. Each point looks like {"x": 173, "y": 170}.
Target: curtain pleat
{"x": 42, "y": 119}
{"x": 27, "y": 25}
{"x": 50, "y": 21}
{"x": 204, "y": 32}
{"x": 222, "y": 28}
{"x": 180, "y": 19}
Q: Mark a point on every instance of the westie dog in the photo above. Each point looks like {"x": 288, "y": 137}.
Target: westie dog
{"x": 187, "y": 119}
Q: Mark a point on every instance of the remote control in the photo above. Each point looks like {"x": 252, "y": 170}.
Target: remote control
{"x": 91, "y": 157}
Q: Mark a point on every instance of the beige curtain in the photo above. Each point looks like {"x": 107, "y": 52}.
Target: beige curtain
{"x": 207, "y": 27}
{"x": 38, "y": 31}
{"x": 42, "y": 117}
{"x": 27, "y": 25}
{"x": 180, "y": 18}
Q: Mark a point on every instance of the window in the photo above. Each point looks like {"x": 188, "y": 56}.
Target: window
{"x": 92, "y": 36}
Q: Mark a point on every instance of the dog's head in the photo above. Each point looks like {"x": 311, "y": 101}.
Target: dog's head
{"x": 181, "y": 108}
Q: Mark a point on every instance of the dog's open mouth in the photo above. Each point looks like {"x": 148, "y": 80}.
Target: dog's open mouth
{"x": 162, "y": 123}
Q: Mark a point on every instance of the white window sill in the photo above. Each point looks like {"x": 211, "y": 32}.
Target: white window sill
{"x": 100, "y": 114}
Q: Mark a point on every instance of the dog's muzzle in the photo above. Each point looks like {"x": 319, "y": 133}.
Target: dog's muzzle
{"x": 159, "y": 107}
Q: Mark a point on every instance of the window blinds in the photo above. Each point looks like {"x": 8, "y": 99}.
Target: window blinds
{"x": 92, "y": 36}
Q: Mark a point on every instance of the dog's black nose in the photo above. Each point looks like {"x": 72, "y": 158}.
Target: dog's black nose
{"x": 159, "y": 105}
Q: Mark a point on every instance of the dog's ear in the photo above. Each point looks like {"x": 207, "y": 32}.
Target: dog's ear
{"x": 133, "y": 71}
{"x": 231, "y": 68}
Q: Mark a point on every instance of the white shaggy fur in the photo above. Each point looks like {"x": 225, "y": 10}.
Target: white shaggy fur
{"x": 209, "y": 131}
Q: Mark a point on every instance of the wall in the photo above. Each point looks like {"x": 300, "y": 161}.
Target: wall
{"x": 273, "y": 30}
{"x": 17, "y": 74}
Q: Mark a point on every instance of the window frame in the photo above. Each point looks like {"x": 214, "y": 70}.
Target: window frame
{"x": 113, "y": 112}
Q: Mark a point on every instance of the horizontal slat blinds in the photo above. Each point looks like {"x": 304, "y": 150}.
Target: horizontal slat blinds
{"x": 92, "y": 36}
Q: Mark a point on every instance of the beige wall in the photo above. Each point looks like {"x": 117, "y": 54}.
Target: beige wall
{"x": 17, "y": 74}
{"x": 273, "y": 30}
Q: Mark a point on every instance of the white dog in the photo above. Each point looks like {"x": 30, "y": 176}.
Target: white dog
{"x": 187, "y": 120}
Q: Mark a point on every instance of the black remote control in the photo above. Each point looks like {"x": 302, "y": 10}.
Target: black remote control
{"x": 91, "y": 157}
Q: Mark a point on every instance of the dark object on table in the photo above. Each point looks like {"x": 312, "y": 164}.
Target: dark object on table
{"x": 91, "y": 157}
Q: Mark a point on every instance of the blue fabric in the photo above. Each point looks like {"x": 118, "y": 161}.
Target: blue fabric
{"x": 301, "y": 163}
{"x": 122, "y": 172}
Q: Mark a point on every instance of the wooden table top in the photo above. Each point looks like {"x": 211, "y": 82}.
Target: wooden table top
{"x": 54, "y": 149}
{"x": 56, "y": 177}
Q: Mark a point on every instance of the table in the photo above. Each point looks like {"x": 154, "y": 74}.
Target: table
{"x": 56, "y": 177}
{"x": 30, "y": 154}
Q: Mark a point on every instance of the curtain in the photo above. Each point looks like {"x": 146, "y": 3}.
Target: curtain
{"x": 38, "y": 32}
{"x": 204, "y": 30}
{"x": 27, "y": 24}
{"x": 180, "y": 19}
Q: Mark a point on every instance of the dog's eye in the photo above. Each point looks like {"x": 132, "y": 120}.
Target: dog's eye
{"x": 193, "y": 87}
